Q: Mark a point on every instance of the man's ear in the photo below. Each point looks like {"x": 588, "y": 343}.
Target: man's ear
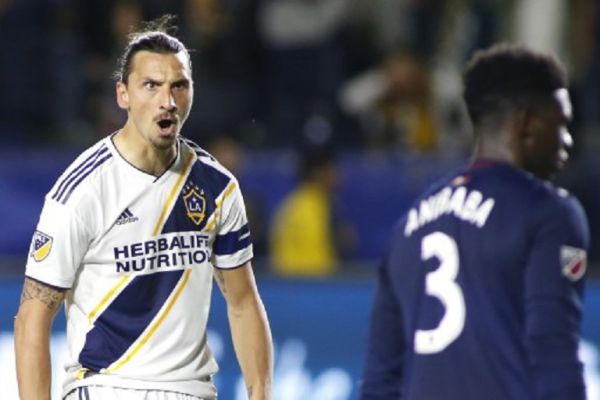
{"x": 520, "y": 134}
{"x": 122, "y": 95}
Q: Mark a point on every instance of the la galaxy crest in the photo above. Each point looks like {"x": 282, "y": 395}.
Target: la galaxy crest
{"x": 195, "y": 202}
{"x": 41, "y": 244}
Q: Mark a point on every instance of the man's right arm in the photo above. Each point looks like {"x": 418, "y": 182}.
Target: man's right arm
{"x": 39, "y": 305}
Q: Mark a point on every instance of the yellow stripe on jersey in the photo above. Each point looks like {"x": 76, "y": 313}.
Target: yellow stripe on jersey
{"x": 210, "y": 225}
{"x": 111, "y": 293}
{"x": 174, "y": 191}
{"x": 80, "y": 374}
{"x": 133, "y": 351}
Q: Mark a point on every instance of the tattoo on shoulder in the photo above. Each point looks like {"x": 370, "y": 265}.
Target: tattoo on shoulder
{"x": 49, "y": 296}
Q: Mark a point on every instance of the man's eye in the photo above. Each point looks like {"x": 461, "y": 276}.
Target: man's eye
{"x": 180, "y": 86}
{"x": 150, "y": 85}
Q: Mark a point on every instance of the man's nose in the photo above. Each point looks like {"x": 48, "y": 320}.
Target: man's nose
{"x": 168, "y": 101}
{"x": 566, "y": 138}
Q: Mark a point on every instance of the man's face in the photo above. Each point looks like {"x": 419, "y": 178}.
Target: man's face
{"x": 547, "y": 138}
{"x": 158, "y": 96}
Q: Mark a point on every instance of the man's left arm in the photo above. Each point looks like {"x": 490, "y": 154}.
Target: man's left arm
{"x": 553, "y": 295}
{"x": 249, "y": 329}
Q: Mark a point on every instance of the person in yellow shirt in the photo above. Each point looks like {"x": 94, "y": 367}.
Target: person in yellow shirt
{"x": 303, "y": 234}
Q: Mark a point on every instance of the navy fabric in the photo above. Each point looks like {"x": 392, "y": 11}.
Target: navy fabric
{"x": 232, "y": 242}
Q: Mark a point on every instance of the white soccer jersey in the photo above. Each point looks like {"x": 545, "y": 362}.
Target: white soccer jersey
{"x": 138, "y": 253}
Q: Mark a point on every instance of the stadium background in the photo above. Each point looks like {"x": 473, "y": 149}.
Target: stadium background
{"x": 276, "y": 76}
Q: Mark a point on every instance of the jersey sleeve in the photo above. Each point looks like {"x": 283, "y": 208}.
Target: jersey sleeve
{"x": 554, "y": 282}
{"x": 384, "y": 367}
{"x": 233, "y": 245}
{"x": 57, "y": 247}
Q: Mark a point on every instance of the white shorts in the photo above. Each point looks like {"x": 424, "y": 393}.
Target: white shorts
{"x": 112, "y": 393}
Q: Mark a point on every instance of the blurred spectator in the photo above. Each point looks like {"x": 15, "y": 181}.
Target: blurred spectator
{"x": 304, "y": 62}
{"x": 307, "y": 236}
{"x": 394, "y": 104}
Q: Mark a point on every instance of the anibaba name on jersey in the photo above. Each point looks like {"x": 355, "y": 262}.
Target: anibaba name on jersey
{"x": 469, "y": 206}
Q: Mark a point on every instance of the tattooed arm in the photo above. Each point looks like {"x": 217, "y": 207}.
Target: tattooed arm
{"x": 39, "y": 304}
{"x": 249, "y": 329}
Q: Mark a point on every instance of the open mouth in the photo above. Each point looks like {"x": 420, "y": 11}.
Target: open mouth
{"x": 167, "y": 126}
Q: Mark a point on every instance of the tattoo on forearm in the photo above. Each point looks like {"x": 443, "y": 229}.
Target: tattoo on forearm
{"x": 47, "y": 295}
{"x": 250, "y": 390}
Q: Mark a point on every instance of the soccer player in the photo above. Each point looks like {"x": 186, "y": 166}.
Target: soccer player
{"x": 130, "y": 237}
{"x": 479, "y": 296}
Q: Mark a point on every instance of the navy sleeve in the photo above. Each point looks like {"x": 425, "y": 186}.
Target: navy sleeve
{"x": 554, "y": 281}
{"x": 385, "y": 352}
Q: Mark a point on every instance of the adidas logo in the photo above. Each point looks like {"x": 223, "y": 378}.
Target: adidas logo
{"x": 126, "y": 217}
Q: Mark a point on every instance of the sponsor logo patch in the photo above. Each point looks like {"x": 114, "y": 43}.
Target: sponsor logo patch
{"x": 573, "y": 261}
{"x": 41, "y": 245}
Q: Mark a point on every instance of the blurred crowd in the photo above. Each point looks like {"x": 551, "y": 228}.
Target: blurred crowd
{"x": 279, "y": 73}
{"x": 288, "y": 74}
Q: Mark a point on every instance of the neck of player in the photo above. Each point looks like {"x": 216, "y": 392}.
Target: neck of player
{"x": 499, "y": 143}
{"x": 141, "y": 153}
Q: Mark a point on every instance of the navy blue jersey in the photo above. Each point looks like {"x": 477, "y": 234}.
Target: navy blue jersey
{"x": 479, "y": 296}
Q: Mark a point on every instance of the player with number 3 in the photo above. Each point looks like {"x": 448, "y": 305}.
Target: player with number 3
{"x": 479, "y": 296}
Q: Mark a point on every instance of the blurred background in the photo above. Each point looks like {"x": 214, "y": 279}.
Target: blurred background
{"x": 333, "y": 114}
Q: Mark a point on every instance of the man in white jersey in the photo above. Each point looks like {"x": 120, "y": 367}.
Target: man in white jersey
{"x": 130, "y": 237}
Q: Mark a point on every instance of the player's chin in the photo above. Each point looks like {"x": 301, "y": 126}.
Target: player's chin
{"x": 556, "y": 166}
{"x": 165, "y": 141}
{"x": 552, "y": 169}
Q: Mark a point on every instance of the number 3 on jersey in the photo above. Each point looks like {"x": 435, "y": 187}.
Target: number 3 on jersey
{"x": 441, "y": 284}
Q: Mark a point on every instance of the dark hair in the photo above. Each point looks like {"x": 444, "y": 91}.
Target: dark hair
{"x": 315, "y": 158}
{"x": 508, "y": 75}
{"x": 157, "y": 37}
